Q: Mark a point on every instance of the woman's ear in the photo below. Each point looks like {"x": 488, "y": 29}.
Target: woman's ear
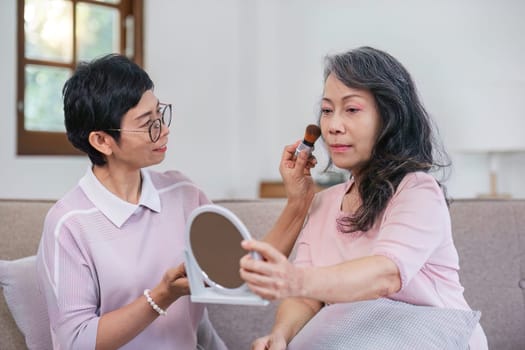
{"x": 102, "y": 142}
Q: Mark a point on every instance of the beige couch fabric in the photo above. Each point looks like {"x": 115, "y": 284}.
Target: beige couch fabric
{"x": 489, "y": 235}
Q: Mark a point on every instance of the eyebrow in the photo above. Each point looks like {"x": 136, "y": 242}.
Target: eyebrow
{"x": 346, "y": 97}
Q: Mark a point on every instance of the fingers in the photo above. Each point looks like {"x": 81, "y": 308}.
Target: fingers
{"x": 287, "y": 158}
{"x": 176, "y": 272}
{"x": 258, "y": 272}
{"x": 182, "y": 285}
{"x": 267, "y": 251}
{"x": 264, "y": 286}
{"x": 181, "y": 269}
{"x": 302, "y": 159}
{"x": 312, "y": 162}
{"x": 270, "y": 270}
{"x": 261, "y": 343}
{"x": 269, "y": 342}
{"x": 267, "y": 278}
{"x": 176, "y": 279}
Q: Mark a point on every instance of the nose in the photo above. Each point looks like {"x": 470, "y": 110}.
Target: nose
{"x": 335, "y": 124}
{"x": 165, "y": 129}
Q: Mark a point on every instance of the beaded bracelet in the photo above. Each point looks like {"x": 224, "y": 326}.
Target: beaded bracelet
{"x": 153, "y": 304}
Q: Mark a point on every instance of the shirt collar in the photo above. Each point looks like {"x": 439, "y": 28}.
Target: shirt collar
{"x": 113, "y": 207}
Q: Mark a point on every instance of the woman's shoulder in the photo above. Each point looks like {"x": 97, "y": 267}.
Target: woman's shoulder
{"x": 417, "y": 186}
{"x": 418, "y": 179}
{"x": 74, "y": 202}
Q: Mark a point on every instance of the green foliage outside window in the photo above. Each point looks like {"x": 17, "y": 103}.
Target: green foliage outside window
{"x": 48, "y": 29}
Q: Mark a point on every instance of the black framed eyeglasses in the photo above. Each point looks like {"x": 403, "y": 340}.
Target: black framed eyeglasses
{"x": 164, "y": 112}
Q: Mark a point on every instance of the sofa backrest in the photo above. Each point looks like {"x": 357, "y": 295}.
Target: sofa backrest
{"x": 489, "y": 236}
{"x": 21, "y": 223}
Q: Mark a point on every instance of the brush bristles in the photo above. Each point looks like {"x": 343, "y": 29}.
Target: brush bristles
{"x": 312, "y": 133}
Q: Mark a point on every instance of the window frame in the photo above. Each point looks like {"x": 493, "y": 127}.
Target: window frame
{"x": 56, "y": 143}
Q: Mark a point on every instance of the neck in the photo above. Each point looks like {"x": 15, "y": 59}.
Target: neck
{"x": 356, "y": 179}
{"x": 352, "y": 200}
{"x": 126, "y": 185}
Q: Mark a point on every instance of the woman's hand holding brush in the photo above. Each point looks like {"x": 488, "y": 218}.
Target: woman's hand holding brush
{"x": 296, "y": 162}
{"x": 300, "y": 190}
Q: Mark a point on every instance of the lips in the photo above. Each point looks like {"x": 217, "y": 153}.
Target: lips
{"x": 162, "y": 148}
{"x": 339, "y": 147}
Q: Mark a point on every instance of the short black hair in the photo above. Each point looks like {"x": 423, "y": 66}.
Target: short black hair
{"x": 97, "y": 97}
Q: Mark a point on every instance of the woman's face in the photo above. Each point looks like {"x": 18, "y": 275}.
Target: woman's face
{"x": 350, "y": 124}
{"x": 135, "y": 150}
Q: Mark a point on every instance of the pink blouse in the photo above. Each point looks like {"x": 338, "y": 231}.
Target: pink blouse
{"x": 414, "y": 231}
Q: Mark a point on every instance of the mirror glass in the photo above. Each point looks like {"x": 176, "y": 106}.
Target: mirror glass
{"x": 215, "y": 243}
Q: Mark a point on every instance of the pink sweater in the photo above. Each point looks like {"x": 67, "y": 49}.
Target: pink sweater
{"x": 98, "y": 253}
{"x": 414, "y": 231}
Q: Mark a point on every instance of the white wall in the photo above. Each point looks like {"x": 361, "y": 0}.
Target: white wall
{"x": 245, "y": 78}
{"x": 192, "y": 52}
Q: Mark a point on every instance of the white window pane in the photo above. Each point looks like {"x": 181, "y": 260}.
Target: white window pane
{"x": 43, "y": 98}
{"x": 97, "y": 31}
{"x": 48, "y": 27}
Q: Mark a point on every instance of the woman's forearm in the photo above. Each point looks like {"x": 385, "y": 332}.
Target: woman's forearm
{"x": 118, "y": 327}
{"x": 366, "y": 278}
{"x": 288, "y": 226}
{"x": 292, "y": 315}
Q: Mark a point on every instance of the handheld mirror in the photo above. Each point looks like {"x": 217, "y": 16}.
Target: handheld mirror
{"x": 212, "y": 255}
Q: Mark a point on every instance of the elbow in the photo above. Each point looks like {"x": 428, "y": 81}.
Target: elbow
{"x": 390, "y": 281}
{"x": 391, "y": 284}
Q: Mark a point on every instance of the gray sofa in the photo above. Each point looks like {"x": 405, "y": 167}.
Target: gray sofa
{"x": 489, "y": 235}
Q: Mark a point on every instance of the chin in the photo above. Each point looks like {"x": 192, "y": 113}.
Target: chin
{"x": 154, "y": 162}
{"x": 343, "y": 164}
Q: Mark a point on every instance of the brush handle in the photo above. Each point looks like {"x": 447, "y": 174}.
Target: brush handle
{"x": 303, "y": 146}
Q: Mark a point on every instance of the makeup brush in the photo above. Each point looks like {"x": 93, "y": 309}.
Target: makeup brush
{"x": 311, "y": 134}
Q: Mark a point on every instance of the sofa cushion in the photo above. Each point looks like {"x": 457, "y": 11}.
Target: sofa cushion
{"x": 386, "y": 324}
{"x": 26, "y": 303}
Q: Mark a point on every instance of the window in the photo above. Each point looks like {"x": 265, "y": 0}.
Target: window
{"x": 53, "y": 36}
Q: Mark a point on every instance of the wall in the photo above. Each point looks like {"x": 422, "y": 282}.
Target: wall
{"x": 245, "y": 78}
{"x": 193, "y": 56}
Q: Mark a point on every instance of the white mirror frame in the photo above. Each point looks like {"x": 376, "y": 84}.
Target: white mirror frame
{"x": 204, "y": 290}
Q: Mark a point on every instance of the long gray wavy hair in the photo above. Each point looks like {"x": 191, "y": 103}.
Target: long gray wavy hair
{"x": 407, "y": 140}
